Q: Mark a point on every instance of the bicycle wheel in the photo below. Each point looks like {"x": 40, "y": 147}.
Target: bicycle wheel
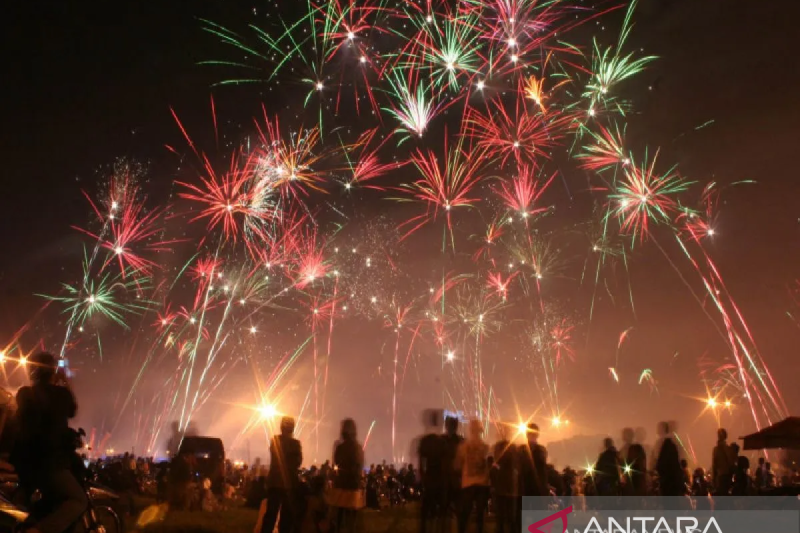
{"x": 104, "y": 520}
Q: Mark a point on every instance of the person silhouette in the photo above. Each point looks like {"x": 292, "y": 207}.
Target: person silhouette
{"x": 45, "y": 450}
{"x": 431, "y": 452}
{"x": 668, "y": 464}
{"x": 283, "y": 482}
{"x": 505, "y": 490}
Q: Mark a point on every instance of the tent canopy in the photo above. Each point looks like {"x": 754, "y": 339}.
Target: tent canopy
{"x": 784, "y": 434}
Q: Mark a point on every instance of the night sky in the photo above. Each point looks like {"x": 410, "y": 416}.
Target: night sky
{"x": 85, "y": 83}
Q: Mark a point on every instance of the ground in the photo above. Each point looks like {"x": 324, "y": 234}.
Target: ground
{"x": 396, "y": 520}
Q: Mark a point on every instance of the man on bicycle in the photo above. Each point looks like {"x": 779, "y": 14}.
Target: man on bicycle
{"x": 46, "y": 445}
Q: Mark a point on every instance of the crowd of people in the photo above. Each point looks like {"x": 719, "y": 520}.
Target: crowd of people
{"x": 466, "y": 477}
{"x": 456, "y": 477}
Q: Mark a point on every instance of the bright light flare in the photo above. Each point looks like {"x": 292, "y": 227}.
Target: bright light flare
{"x": 267, "y": 411}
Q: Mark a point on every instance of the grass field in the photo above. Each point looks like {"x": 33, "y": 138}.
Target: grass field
{"x": 393, "y": 520}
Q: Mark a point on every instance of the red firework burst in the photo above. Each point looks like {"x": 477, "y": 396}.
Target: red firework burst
{"x": 225, "y": 197}
{"x": 367, "y": 166}
{"x": 493, "y": 233}
{"x": 130, "y": 228}
{"x": 289, "y": 160}
{"x": 352, "y": 26}
{"x": 500, "y": 285}
{"x": 515, "y": 133}
{"x": 607, "y": 151}
{"x": 561, "y": 341}
{"x": 697, "y": 224}
{"x": 443, "y": 187}
{"x": 310, "y": 261}
{"x": 204, "y": 272}
{"x": 165, "y": 318}
{"x": 524, "y": 191}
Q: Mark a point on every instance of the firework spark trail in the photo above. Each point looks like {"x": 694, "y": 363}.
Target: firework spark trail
{"x": 728, "y": 336}
{"x": 643, "y": 196}
{"x": 330, "y": 338}
{"x": 716, "y": 290}
{"x": 319, "y": 311}
{"x": 369, "y": 432}
{"x": 622, "y": 338}
{"x": 396, "y": 321}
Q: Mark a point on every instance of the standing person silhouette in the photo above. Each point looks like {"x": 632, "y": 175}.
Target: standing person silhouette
{"x": 607, "y": 470}
{"x": 668, "y": 465}
{"x": 505, "y": 483}
{"x": 452, "y": 440}
{"x": 431, "y": 452}
{"x": 532, "y": 464}
{"x": 723, "y": 463}
{"x": 635, "y": 459}
{"x": 45, "y": 449}
{"x": 348, "y": 462}
{"x": 472, "y": 460}
{"x": 283, "y": 483}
